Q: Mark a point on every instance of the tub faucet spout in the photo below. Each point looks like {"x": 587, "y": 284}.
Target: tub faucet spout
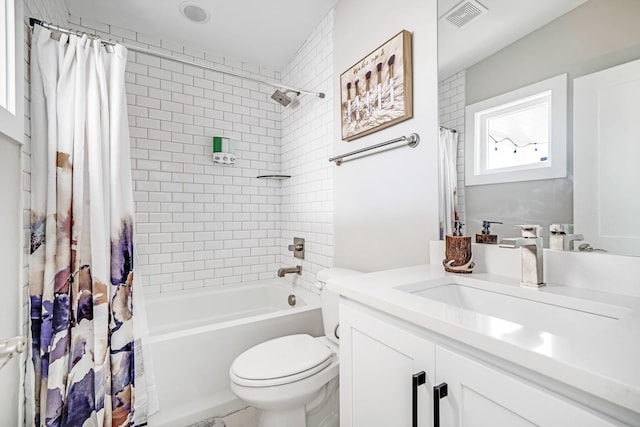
{"x": 289, "y": 270}
{"x": 531, "y": 244}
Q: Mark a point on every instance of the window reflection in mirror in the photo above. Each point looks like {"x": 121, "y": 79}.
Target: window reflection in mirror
{"x": 518, "y": 136}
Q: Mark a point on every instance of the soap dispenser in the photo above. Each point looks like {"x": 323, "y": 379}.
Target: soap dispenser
{"x": 458, "y": 256}
{"x": 486, "y": 236}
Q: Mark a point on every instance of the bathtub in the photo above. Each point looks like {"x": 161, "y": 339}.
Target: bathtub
{"x": 196, "y": 335}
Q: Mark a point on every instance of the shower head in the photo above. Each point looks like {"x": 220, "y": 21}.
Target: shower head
{"x": 282, "y": 98}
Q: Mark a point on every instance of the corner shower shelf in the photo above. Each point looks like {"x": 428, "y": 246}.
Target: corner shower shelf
{"x": 276, "y": 177}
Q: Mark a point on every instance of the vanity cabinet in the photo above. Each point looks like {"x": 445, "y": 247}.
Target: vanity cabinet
{"x": 379, "y": 356}
{"x": 480, "y": 395}
{"x": 378, "y": 362}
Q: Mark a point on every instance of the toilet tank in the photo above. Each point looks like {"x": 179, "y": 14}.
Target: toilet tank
{"x": 330, "y": 299}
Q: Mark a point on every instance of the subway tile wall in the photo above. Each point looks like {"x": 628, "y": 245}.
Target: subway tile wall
{"x": 451, "y": 99}
{"x": 306, "y": 145}
{"x": 202, "y": 224}
{"x": 54, "y": 11}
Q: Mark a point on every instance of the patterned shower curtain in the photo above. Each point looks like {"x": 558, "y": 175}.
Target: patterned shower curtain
{"x": 86, "y": 370}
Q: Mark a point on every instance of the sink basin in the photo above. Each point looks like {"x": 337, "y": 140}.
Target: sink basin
{"x": 544, "y": 311}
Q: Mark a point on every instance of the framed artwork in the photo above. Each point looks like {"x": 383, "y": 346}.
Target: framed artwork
{"x": 376, "y": 92}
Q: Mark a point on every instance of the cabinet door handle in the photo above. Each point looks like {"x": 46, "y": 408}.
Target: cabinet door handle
{"x": 439, "y": 392}
{"x": 418, "y": 379}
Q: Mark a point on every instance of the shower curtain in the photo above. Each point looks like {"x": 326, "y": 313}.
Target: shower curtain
{"x": 448, "y": 149}
{"x": 88, "y": 367}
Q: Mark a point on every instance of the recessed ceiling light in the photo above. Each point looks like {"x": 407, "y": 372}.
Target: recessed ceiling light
{"x": 194, "y": 12}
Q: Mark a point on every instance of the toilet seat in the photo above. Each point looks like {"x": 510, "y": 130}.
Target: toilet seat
{"x": 280, "y": 361}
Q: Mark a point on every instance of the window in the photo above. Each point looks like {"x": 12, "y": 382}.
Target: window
{"x": 518, "y": 136}
{"x": 11, "y": 70}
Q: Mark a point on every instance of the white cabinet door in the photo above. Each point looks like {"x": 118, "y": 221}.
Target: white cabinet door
{"x": 479, "y": 395}
{"x": 377, "y": 363}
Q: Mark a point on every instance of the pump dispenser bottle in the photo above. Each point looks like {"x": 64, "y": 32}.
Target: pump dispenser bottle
{"x": 458, "y": 256}
{"x": 486, "y": 236}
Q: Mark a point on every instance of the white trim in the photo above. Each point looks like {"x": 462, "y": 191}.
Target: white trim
{"x": 555, "y": 167}
{"x": 23, "y": 319}
{"x": 12, "y": 124}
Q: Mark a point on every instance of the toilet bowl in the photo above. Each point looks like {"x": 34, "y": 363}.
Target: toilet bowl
{"x": 293, "y": 379}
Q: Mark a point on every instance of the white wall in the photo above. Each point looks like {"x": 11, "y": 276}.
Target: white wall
{"x": 10, "y": 377}
{"x": 386, "y": 205}
{"x": 306, "y": 143}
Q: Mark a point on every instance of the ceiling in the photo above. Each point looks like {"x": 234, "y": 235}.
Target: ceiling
{"x": 269, "y": 33}
{"x": 260, "y": 32}
{"x": 504, "y": 22}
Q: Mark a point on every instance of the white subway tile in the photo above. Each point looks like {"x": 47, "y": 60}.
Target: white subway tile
{"x": 171, "y": 126}
{"x": 144, "y": 59}
{"x": 182, "y": 78}
{"x": 159, "y": 94}
{"x": 171, "y": 106}
{"x": 183, "y": 277}
{"x": 159, "y": 73}
{"x": 167, "y": 64}
{"x": 156, "y": 113}
{"x": 143, "y": 101}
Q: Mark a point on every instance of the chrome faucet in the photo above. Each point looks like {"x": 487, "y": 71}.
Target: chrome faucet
{"x": 531, "y": 244}
{"x": 569, "y": 239}
{"x": 561, "y": 238}
{"x": 289, "y": 270}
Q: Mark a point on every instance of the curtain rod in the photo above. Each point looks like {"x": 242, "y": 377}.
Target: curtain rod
{"x": 34, "y": 21}
{"x": 452, "y": 130}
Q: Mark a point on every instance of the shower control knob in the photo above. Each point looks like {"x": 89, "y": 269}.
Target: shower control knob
{"x": 297, "y": 248}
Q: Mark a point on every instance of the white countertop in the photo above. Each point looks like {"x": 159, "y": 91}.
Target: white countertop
{"x": 604, "y": 362}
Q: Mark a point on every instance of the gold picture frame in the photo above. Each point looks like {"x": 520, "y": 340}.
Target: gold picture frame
{"x": 376, "y": 92}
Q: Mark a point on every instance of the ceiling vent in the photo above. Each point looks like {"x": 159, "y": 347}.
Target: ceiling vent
{"x": 464, "y": 12}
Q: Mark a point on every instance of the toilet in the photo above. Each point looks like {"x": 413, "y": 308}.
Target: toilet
{"x": 293, "y": 379}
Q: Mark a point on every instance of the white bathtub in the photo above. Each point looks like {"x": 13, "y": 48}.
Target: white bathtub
{"x": 196, "y": 335}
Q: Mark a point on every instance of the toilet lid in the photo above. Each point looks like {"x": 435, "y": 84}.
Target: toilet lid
{"x": 282, "y": 357}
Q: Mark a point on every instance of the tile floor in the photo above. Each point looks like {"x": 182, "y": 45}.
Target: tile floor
{"x": 247, "y": 417}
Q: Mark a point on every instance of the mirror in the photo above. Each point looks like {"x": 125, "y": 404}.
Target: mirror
{"x": 509, "y": 45}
